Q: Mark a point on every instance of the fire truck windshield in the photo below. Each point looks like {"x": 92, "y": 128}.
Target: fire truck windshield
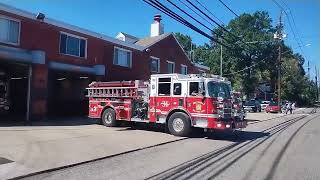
{"x": 218, "y": 89}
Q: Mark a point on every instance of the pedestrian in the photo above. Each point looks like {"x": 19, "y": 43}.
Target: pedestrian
{"x": 288, "y": 107}
{"x": 293, "y": 106}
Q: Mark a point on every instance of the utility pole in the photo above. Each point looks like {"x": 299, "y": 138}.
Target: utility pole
{"x": 221, "y": 60}
{"x": 279, "y": 36}
{"x": 308, "y": 70}
{"x": 191, "y": 52}
{"x": 317, "y": 83}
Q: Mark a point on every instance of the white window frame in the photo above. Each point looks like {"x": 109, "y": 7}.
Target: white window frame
{"x": 184, "y": 66}
{"x": 171, "y": 62}
{"x": 122, "y": 49}
{"x": 19, "y": 33}
{"x": 158, "y": 59}
{"x": 75, "y": 36}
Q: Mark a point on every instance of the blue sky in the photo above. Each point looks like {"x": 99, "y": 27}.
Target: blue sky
{"x": 134, "y": 17}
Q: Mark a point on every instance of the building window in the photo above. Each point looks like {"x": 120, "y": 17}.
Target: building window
{"x": 122, "y": 57}
{"x": 155, "y": 64}
{"x": 184, "y": 69}
{"x": 170, "y": 66}
{"x": 73, "y": 45}
{"x": 9, "y": 31}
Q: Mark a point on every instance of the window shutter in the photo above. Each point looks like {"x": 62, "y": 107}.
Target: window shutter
{"x": 63, "y": 43}
{"x": 115, "y": 56}
{"x": 4, "y": 29}
{"x": 82, "y": 48}
{"x": 151, "y": 64}
{"x": 128, "y": 59}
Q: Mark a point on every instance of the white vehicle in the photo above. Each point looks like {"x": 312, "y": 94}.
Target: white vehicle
{"x": 264, "y": 104}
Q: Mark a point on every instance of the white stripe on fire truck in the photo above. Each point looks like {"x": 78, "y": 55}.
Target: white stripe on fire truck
{"x": 205, "y": 115}
{"x": 111, "y": 101}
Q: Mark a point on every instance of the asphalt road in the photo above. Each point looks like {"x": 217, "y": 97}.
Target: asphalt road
{"x": 282, "y": 148}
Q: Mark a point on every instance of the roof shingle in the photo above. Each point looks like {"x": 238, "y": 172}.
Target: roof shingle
{"x": 146, "y": 42}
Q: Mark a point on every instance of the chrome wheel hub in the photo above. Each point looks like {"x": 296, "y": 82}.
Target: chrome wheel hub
{"x": 178, "y": 124}
{"x": 108, "y": 118}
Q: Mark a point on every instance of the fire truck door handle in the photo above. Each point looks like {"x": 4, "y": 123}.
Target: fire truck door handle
{"x": 180, "y": 102}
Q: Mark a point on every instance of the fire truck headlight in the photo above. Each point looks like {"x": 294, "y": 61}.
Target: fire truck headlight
{"x": 228, "y": 126}
{"x": 219, "y": 125}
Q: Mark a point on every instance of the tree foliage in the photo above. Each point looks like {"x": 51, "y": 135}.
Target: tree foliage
{"x": 252, "y": 58}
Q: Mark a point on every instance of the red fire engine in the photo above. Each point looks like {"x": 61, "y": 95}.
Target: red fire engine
{"x": 178, "y": 101}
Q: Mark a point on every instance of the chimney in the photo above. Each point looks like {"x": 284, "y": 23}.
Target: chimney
{"x": 156, "y": 27}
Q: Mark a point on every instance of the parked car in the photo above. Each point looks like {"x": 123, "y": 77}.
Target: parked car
{"x": 252, "y": 105}
{"x": 264, "y": 104}
{"x": 273, "y": 107}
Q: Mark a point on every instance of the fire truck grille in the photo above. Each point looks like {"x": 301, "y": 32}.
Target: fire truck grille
{"x": 227, "y": 116}
{"x": 227, "y": 111}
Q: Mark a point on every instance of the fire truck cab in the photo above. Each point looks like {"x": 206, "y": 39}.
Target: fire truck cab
{"x": 178, "y": 101}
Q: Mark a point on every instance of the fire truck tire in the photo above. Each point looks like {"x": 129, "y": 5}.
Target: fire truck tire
{"x": 109, "y": 118}
{"x": 179, "y": 124}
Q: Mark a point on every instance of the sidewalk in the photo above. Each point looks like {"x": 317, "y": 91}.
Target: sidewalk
{"x": 262, "y": 116}
{"x": 25, "y": 150}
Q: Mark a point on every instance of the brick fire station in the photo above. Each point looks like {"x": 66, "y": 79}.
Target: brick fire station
{"x": 48, "y": 63}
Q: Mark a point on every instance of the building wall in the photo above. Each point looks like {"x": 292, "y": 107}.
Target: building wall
{"x": 38, "y": 35}
{"x": 169, "y": 50}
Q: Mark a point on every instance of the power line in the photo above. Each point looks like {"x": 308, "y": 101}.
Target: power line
{"x": 196, "y": 12}
{"x": 256, "y": 63}
{"x": 290, "y": 25}
{"x": 196, "y": 20}
{"x": 159, "y": 6}
{"x": 199, "y": 21}
{"x": 223, "y": 28}
{"x": 228, "y": 8}
{"x": 209, "y": 12}
{"x": 219, "y": 20}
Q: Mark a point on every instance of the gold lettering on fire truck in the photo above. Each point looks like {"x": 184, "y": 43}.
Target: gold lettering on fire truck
{"x": 164, "y": 103}
{"x": 199, "y": 107}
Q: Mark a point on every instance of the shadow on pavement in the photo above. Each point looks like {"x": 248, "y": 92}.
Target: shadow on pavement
{"x": 52, "y": 121}
{"x": 237, "y": 136}
{"x": 233, "y": 136}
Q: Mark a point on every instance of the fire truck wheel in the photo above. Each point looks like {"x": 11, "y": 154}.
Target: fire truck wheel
{"x": 109, "y": 118}
{"x": 179, "y": 124}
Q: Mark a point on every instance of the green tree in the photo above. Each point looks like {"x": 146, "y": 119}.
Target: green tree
{"x": 185, "y": 41}
{"x": 252, "y": 58}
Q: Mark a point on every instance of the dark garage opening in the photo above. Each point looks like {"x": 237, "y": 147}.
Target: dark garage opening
{"x": 67, "y": 94}
{"x": 14, "y": 82}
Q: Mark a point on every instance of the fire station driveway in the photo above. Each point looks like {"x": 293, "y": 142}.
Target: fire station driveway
{"x": 281, "y": 148}
{"x": 25, "y": 150}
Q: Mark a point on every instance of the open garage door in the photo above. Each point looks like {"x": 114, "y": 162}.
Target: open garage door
{"x": 13, "y": 92}
{"x": 67, "y": 93}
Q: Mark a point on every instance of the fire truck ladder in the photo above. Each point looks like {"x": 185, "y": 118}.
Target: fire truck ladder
{"x": 112, "y": 90}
